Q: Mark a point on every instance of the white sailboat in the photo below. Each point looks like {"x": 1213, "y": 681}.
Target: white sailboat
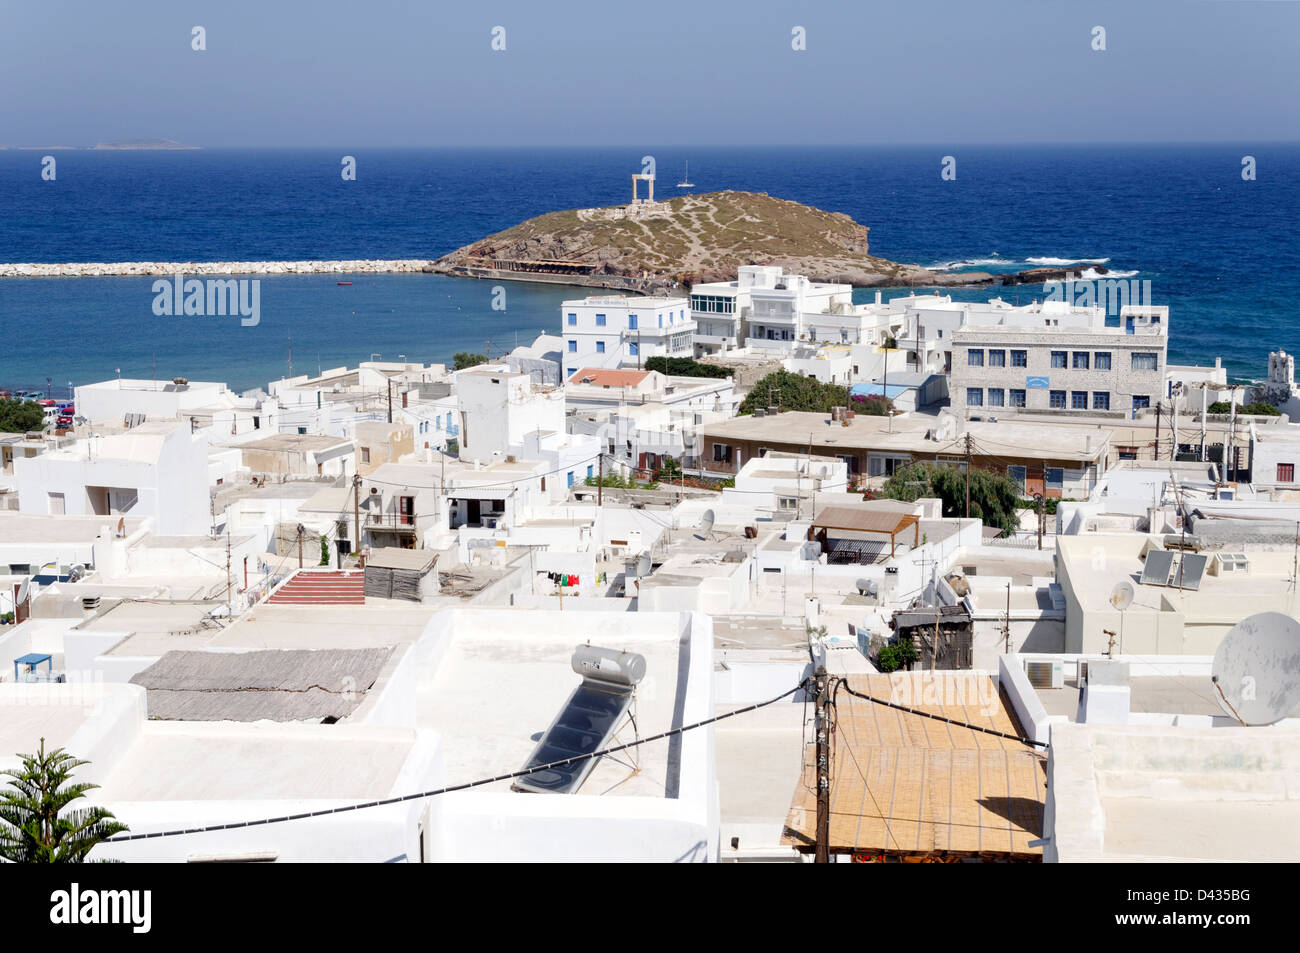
{"x": 686, "y": 183}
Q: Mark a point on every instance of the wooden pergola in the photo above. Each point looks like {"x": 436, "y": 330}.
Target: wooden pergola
{"x": 861, "y": 520}
{"x": 914, "y": 789}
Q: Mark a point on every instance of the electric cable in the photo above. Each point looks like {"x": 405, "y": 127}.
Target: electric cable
{"x": 384, "y": 802}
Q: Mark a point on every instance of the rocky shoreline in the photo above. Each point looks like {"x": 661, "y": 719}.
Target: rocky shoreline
{"x": 126, "y": 269}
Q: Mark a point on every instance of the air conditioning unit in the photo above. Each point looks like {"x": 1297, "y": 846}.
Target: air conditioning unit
{"x": 1045, "y": 674}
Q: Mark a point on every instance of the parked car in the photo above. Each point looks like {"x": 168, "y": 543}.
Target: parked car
{"x": 65, "y": 423}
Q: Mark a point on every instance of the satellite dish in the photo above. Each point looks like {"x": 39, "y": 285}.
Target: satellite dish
{"x": 121, "y": 526}
{"x": 1257, "y": 669}
{"x": 1121, "y": 597}
{"x": 864, "y": 586}
{"x": 643, "y": 565}
{"x": 707, "y": 521}
{"x": 22, "y": 592}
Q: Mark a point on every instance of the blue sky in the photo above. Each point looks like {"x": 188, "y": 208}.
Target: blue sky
{"x": 422, "y": 72}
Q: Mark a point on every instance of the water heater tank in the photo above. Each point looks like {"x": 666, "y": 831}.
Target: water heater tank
{"x": 608, "y": 665}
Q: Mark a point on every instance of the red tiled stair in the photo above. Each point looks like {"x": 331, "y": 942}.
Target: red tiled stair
{"x": 322, "y": 589}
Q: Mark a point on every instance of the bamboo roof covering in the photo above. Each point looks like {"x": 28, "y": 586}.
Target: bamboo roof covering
{"x": 904, "y": 784}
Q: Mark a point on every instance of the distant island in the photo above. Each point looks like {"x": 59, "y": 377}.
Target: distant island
{"x": 138, "y": 144}
{"x": 696, "y": 238}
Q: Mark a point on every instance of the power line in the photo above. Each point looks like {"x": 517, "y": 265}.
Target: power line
{"x": 843, "y": 683}
{"x": 384, "y": 802}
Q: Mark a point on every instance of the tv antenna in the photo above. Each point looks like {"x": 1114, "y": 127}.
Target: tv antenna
{"x": 1257, "y": 669}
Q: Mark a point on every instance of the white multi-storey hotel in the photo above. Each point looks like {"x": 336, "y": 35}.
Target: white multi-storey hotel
{"x": 1052, "y": 356}
{"x": 766, "y": 308}
{"x": 617, "y": 331}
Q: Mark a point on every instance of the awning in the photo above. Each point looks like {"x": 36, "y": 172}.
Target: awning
{"x": 863, "y": 520}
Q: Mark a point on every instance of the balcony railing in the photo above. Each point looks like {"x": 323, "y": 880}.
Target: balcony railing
{"x": 397, "y": 522}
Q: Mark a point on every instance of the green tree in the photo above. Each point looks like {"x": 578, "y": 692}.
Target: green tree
{"x": 794, "y": 392}
{"x": 994, "y": 498}
{"x": 684, "y": 367}
{"x": 669, "y": 470}
{"x": 324, "y": 551}
{"x": 464, "y": 359}
{"x": 35, "y": 828}
{"x": 896, "y": 654}
{"x": 1261, "y": 409}
{"x": 20, "y": 416}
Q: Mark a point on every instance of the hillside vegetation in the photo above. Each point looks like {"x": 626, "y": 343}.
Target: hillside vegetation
{"x": 694, "y": 238}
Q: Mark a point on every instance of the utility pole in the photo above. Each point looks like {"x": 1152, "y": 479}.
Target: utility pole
{"x": 1157, "y": 429}
{"x": 600, "y": 479}
{"x": 1173, "y": 421}
{"x": 1008, "y": 628}
{"x": 390, "y": 400}
{"x": 1229, "y": 456}
{"x": 822, "y": 845}
{"x": 1039, "y": 498}
{"x": 934, "y": 650}
{"x": 968, "y": 475}
{"x": 1204, "y": 402}
{"x": 228, "y": 612}
{"x": 356, "y": 512}
{"x": 300, "y": 529}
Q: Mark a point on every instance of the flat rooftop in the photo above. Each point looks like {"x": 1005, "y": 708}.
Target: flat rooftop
{"x": 498, "y": 689}
{"x": 18, "y": 527}
{"x": 176, "y": 761}
{"x": 55, "y": 712}
{"x": 1018, "y": 438}
{"x": 268, "y": 626}
{"x": 1221, "y": 599}
{"x": 1165, "y": 694}
{"x": 294, "y": 442}
{"x": 1141, "y": 793}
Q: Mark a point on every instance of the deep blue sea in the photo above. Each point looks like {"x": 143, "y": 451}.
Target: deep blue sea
{"x": 1219, "y": 250}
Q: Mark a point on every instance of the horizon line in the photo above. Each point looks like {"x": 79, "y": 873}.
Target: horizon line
{"x": 572, "y": 147}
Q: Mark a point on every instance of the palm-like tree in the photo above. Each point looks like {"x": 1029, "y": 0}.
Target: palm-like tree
{"x": 35, "y": 829}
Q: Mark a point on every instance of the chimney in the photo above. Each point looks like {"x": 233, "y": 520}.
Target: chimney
{"x": 1105, "y": 696}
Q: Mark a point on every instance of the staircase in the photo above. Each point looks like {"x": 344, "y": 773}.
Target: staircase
{"x": 328, "y": 588}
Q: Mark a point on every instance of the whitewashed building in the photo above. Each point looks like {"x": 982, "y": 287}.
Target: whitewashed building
{"x": 617, "y": 331}
{"x": 157, "y": 470}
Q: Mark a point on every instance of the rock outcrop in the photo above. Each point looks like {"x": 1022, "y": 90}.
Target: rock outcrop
{"x": 705, "y": 237}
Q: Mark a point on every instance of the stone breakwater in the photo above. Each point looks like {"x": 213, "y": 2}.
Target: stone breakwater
{"x": 201, "y": 268}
